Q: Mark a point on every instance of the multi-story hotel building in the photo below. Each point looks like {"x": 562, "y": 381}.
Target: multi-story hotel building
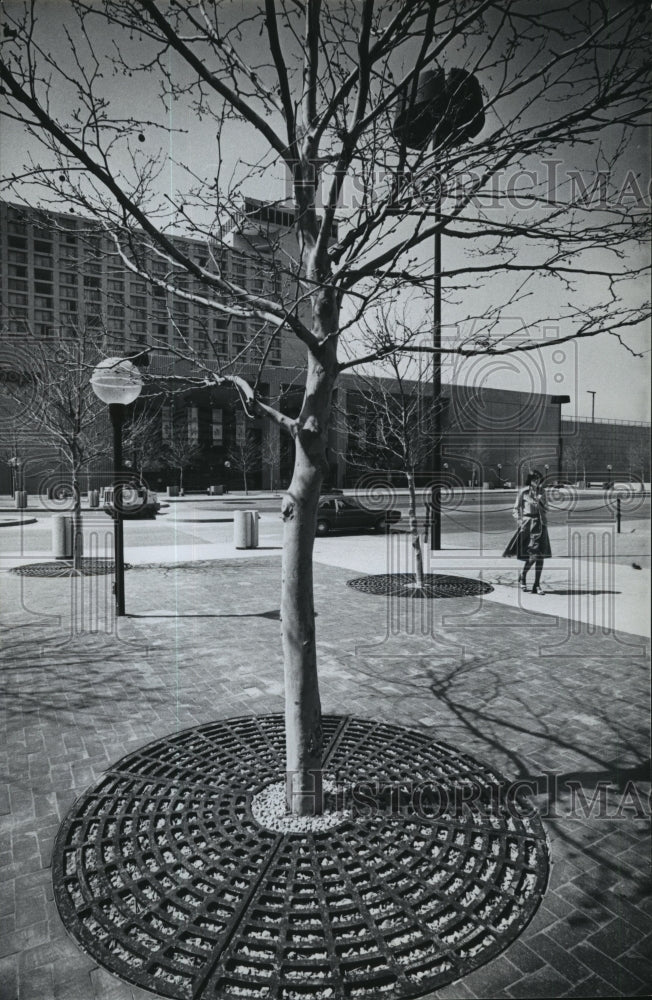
{"x": 60, "y": 274}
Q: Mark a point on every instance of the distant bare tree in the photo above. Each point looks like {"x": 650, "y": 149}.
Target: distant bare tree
{"x": 142, "y": 437}
{"x": 579, "y": 452}
{"x": 638, "y": 457}
{"x": 60, "y": 407}
{"x": 245, "y": 457}
{"x": 178, "y": 452}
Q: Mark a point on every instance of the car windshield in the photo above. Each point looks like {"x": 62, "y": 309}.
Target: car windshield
{"x": 350, "y": 503}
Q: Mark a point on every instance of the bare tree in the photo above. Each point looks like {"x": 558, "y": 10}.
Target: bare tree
{"x": 180, "y": 453}
{"x": 638, "y": 457}
{"x": 142, "y": 437}
{"x": 533, "y": 210}
{"x": 402, "y": 433}
{"x": 579, "y": 451}
{"x": 60, "y": 407}
{"x": 245, "y": 456}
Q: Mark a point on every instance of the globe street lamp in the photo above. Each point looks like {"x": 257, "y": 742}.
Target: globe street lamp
{"x": 117, "y": 382}
{"x": 500, "y": 475}
{"x": 447, "y": 109}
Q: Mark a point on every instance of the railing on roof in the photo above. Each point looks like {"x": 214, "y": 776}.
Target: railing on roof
{"x": 605, "y": 420}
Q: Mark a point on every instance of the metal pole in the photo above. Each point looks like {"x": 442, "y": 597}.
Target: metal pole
{"x": 560, "y": 450}
{"x": 618, "y": 514}
{"x": 435, "y": 527}
{"x": 117, "y": 414}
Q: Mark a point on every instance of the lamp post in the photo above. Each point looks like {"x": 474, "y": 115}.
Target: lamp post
{"x": 559, "y": 401}
{"x": 15, "y": 464}
{"x": 546, "y": 470}
{"x": 117, "y": 382}
{"x": 500, "y": 474}
{"x": 447, "y": 110}
{"x": 609, "y": 468}
{"x": 592, "y": 395}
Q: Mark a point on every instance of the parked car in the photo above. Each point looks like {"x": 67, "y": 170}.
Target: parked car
{"x": 338, "y": 513}
{"x": 137, "y": 501}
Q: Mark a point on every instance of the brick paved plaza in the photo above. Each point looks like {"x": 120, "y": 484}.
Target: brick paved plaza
{"x": 535, "y": 697}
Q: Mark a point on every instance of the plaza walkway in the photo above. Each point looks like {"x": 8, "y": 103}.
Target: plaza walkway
{"x": 552, "y": 690}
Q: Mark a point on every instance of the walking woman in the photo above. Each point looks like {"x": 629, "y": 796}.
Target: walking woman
{"x": 530, "y": 541}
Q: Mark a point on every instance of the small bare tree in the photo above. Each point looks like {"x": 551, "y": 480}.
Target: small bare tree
{"x": 638, "y": 457}
{"x": 142, "y": 437}
{"x": 402, "y": 434}
{"x": 579, "y": 451}
{"x": 179, "y": 453}
{"x": 245, "y": 457}
{"x": 60, "y": 407}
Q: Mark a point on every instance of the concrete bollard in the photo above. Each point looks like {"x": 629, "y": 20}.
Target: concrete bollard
{"x": 62, "y": 536}
{"x": 245, "y": 529}
{"x": 93, "y": 499}
{"x": 173, "y": 491}
{"x": 20, "y": 498}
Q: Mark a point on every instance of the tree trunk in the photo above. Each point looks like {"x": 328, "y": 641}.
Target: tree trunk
{"x": 414, "y": 531}
{"x": 299, "y": 508}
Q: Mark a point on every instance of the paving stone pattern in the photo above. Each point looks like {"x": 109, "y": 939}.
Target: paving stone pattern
{"x": 549, "y": 704}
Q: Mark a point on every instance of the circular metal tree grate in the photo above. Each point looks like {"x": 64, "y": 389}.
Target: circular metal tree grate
{"x": 89, "y": 567}
{"x": 404, "y": 585}
{"x": 163, "y": 874}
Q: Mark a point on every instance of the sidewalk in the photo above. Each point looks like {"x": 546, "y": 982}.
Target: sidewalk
{"x": 593, "y": 580}
{"x": 536, "y": 693}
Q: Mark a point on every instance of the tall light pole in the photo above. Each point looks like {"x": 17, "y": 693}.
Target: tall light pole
{"x": 446, "y": 109}
{"x": 559, "y": 401}
{"x": 118, "y": 383}
{"x": 592, "y": 395}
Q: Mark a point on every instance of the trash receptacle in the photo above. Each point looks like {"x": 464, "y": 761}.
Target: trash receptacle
{"x": 173, "y": 491}
{"x": 20, "y": 497}
{"x": 245, "y": 529}
{"x": 62, "y": 536}
{"x": 93, "y": 498}
{"x": 255, "y": 518}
